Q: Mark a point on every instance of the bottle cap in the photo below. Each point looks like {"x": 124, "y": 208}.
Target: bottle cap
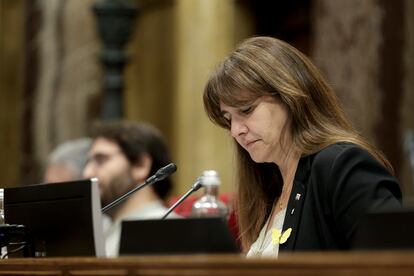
{"x": 210, "y": 177}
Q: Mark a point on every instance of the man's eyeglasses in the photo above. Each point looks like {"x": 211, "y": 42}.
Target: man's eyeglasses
{"x": 101, "y": 158}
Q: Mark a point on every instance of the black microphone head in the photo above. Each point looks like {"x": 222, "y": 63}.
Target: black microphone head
{"x": 165, "y": 171}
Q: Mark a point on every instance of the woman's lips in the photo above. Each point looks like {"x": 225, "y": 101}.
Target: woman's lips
{"x": 250, "y": 143}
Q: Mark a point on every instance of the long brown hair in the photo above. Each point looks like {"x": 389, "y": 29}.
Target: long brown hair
{"x": 263, "y": 66}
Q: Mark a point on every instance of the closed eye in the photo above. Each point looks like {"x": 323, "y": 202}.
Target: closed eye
{"x": 247, "y": 110}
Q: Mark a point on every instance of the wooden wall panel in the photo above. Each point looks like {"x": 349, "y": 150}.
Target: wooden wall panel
{"x": 11, "y": 78}
{"x": 366, "y": 53}
{"x": 69, "y": 74}
{"x": 346, "y": 48}
{"x": 407, "y": 98}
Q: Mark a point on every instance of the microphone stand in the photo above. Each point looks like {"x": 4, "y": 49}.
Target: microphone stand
{"x": 161, "y": 174}
{"x": 126, "y": 195}
{"x": 197, "y": 185}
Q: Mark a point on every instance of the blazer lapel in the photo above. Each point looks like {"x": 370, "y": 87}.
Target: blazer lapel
{"x": 295, "y": 205}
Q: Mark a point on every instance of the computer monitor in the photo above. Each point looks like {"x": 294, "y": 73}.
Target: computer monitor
{"x": 176, "y": 236}
{"x": 385, "y": 230}
{"x": 61, "y": 219}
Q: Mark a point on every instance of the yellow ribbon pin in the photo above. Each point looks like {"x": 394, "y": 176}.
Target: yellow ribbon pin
{"x": 280, "y": 238}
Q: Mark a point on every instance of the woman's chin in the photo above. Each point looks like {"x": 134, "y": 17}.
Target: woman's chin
{"x": 256, "y": 158}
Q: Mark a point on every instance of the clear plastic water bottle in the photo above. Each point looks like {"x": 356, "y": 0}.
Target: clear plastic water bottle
{"x": 1, "y": 206}
{"x": 3, "y": 250}
{"x": 209, "y": 205}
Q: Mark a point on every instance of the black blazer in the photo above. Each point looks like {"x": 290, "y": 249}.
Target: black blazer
{"x": 332, "y": 189}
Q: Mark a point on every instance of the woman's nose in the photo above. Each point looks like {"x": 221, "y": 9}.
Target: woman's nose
{"x": 237, "y": 128}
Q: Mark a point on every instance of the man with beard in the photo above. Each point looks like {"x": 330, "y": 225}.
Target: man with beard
{"x": 123, "y": 155}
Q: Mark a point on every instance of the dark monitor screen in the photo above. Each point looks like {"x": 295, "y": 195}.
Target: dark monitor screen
{"x": 61, "y": 219}
{"x": 385, "y": 230}
{"x": 176, "y": 236}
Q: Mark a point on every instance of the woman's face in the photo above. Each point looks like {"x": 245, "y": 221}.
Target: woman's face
{"x": 258, "y": 127}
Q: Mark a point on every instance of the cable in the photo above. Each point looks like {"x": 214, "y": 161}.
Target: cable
{"x": 9, "y": 252}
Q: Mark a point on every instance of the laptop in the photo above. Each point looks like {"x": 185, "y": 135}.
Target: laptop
{"x": 386, "y": 230}
{"x": 176, "y": 236}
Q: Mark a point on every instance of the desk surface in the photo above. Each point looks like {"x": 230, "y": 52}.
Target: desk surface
{"x": 326, "y": 263}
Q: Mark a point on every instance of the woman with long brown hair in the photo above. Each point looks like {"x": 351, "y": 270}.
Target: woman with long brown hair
{"x": 305, "y": 176}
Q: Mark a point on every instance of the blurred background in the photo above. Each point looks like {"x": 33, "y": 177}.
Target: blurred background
{"x": 65, "y": 64}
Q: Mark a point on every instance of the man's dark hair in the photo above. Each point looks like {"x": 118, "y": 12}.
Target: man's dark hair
{"x": 136, "y": 139}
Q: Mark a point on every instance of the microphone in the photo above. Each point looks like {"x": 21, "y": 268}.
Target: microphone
{"x": 196, "y": 186}
{"x": 161, "y": 174}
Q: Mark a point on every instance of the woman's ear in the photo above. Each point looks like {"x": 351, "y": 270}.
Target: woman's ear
{"x": 140, "y": 170}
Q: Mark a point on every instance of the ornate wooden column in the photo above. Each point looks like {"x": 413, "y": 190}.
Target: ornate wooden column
{"x": 115, "y": 21}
